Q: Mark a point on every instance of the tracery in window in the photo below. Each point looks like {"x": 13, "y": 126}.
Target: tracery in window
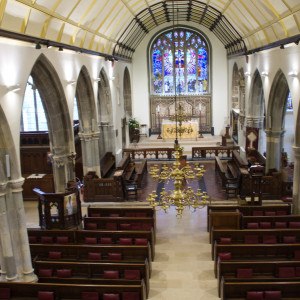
{"x": 190, "y": 74}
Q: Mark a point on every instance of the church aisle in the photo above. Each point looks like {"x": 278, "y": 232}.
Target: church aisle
{"x": 182, "y": 268}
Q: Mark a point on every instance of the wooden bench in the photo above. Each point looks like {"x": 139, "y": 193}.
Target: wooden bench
{"x": 239, "y": 236}
{"x": 248, "y": 210}
{"x": 273, "y": 220}
{"x": 141, "y": 170}
{"x": 107, "y": 163}
{"x": 117, "y": 223}
{"x": 126, "y": 254}
{"x": 92, "y": 273}
{"x": 220, "y": 169}
{"x": 26, "y": 290}
{"x": 259, "y": 271}
{"x": 256, "y": 252}
{"x": 79, "y": 236}
{"x": 238, "y": 290}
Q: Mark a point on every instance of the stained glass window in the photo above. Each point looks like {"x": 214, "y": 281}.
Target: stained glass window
{"x": 289, "y": 103}
{"x": 181, "y": 61}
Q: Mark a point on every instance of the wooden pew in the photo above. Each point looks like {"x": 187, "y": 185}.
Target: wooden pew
{"x": 128, "y": 253}
{"x": 141, "y": 169}
{"x": 107, "y": 163}
{"x": 122, "y": 211}
{"x": 92, "y": 272}
{"x": 135, "y": 223}
{"x": 26, "y": 290}
{"x": 79, "y": 236}
{"x": 220, "y": 169}
{"x": 248, "y": 210}
{"x": 270, "y": 219}
{"x": 238, "y": 236}
{"x": 261, "y": 271}
{"x": 256, "y": 252}
{"x": 238, "y": 290}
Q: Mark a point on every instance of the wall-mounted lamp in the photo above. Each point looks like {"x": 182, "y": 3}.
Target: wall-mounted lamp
{"x": 247, "y": 73}
{"x": 13, "y": 88}
{"x": 38, "y": 46}
{"x": 60, "y": 48}
{"x": 265, "y": 74}
{"x": 293, "y": 74}
{"x": 281, "y": 46}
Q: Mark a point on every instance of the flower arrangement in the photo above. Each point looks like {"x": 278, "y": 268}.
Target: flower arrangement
{"x": 133, "y": 123}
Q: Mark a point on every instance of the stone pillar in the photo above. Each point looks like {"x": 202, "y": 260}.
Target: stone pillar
{"x": 296, "y": 181}
{"x": 90, "y": 152}
{"x": 21, "y": 230}
{"x": 274, "y": 147}
{"x": 60, "y": 172}
{"x": 8, "y": 264}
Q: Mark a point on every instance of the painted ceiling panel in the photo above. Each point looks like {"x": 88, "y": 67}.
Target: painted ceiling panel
{"x": 68, "y": 31}
{"x": 290, "y": 25}
{"x": 80, "y": 10}
{"x": 279, "y": 31}
{"x": 65, "y": 7}
{"x": 34, "y": 23}
{"x": 53, "y": 29}
{"x": 279, "y": 6}
{"x": 14, "y": 16}
{"x": 241, "y": 25}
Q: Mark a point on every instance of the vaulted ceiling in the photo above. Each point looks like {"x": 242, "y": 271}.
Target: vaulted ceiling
{"x": 116, "y": 27}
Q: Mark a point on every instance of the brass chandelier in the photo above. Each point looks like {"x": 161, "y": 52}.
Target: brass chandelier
{"x": 180, "y": 197}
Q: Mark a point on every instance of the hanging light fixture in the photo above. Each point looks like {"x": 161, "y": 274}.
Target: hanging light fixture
{"x": 180, "y": 197}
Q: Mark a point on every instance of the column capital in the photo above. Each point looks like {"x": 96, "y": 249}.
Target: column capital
{"x": 296, "y": 152}
{"x": 89, "y": 136}
{"x": 59, "y": 160}
{"x": 274, "y": 133}
{"x": 3, "y": 188}
{"x": 16, "y": 185}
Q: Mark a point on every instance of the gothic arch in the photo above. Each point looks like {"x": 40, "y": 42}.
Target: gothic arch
{"x": 59, "y": 124}
{"x": 86, "y": 100}
{"x": 88, "y": 120}
{"x": 277, "y": 102}
{"x": 235, "y": 87}
{"x": 275, "y": 120}
{"x": 106, "y": 142}
{"x": 127, "y": 93}
{"x": 257, "y": 100}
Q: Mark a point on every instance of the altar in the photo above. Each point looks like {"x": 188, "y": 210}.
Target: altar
{"x": 169, "y": 130}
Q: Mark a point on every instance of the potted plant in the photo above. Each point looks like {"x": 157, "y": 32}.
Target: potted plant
{"x": 134, "y": 130}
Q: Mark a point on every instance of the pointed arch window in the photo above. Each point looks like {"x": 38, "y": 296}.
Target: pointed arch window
{"x": 33, "y": 113}
{"x": 187, "y": 71}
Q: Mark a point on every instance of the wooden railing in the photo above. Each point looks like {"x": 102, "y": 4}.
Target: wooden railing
{"x": 168, "y": 153}
{"x": 212, "y": 152}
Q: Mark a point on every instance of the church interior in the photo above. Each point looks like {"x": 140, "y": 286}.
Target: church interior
{"x": 149, "y": 149}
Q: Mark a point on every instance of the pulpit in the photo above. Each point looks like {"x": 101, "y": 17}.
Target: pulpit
{"x": 59, "y": 210}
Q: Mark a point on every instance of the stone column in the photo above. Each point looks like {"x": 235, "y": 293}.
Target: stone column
{"x": 27, "y": 270}
{"x": 90, "y": 152}
{"x": 274, "y": 147}
{"x": 8, "y": 264}
{"x": 60, "y": 172}
{"x": 296, "y": 181}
